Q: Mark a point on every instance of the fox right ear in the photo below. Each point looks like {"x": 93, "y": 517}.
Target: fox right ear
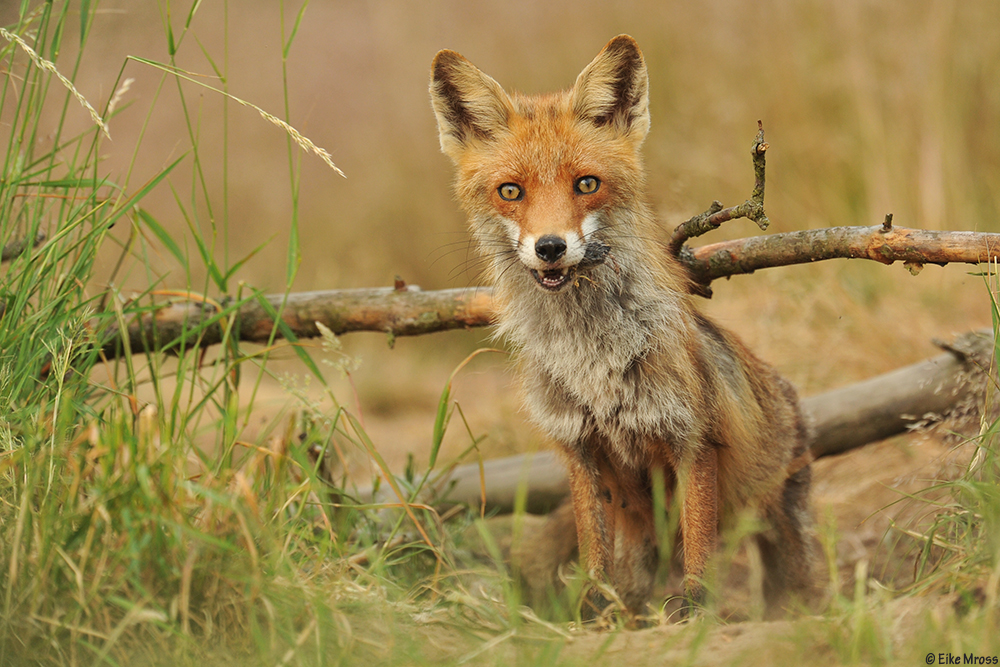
{"x": 613, "y": 90}
{"x": 468, "y": 104}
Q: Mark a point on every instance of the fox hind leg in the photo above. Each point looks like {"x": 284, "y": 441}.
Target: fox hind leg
{"x": 787, "y": 547}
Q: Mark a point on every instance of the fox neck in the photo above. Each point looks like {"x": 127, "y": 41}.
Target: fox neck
{"x": 618, "y": 311}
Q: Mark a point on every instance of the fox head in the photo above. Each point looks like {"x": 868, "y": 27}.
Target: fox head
{"x": 549, "y": 181}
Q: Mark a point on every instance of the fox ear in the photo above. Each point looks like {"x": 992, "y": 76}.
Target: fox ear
{"x": 468, "y": 104}
{"x": 613, "y": 90}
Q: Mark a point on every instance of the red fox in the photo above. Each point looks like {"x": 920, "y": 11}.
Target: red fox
{"x": 617, "y": 364}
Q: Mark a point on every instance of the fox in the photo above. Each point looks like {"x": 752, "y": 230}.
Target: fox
{"x": 616, "y": 363}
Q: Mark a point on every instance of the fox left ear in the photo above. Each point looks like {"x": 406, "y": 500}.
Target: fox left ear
{"x": 469, "y": 105}
{"x": 613, "y": 90}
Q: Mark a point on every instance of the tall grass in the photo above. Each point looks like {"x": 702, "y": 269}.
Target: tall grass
{"x": 142, "y": 519}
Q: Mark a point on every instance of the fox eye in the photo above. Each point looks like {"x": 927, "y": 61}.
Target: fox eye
{"x": 587, "y": 185}
{"x": 510, "y": 192}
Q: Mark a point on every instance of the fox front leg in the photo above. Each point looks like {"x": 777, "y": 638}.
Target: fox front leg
{"x": 594, "y": 492}
{"x": 699, "y": 524}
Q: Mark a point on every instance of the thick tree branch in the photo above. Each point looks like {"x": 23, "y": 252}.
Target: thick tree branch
{"x": 409, "y": 311}
{"x": 914, "y": 247}
{"x": 401, "y": 311}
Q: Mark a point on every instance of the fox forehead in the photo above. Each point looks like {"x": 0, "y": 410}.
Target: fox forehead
{"x": 545, "y": 143}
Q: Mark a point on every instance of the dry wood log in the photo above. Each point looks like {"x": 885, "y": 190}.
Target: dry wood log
{"x": 399, "y": 311}
{"x": 844, "y": 419}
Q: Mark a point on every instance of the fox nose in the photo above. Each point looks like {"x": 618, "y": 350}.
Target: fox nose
{"x": 550, "y": 248}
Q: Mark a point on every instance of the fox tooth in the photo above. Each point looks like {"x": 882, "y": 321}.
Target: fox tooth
{"x": 552, "y": 279}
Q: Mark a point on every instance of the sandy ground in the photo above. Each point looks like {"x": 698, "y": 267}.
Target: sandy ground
{"x": 858, "y": 497}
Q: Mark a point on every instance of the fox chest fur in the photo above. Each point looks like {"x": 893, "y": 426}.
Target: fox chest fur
{"x": 597, "y": 367}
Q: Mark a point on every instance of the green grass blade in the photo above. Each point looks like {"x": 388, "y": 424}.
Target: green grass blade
{"x": 190, "y": 17}
{"x": 441, "y": 420}
{"x": 294, "y": 256}
{"x": 290, "y": 336}
{"x": 239, "y": 263}
{"x": 125, "y": 207}
{"x": 295, "y": 28}
{"x": 163, "y": 236}
{"x": 84, "y": 18}
{"x": 443, "y": 413}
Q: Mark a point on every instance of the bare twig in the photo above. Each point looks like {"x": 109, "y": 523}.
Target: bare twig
{"x": 752, "y": 208}
{"x": 17, "y": 246}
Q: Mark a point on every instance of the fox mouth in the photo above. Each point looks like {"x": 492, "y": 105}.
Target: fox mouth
{"x": 555, "y": 279}
{"x": 551, "y": 279}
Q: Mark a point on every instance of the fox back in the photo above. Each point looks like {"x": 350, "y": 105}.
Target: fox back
{"x": 617, "y": 364}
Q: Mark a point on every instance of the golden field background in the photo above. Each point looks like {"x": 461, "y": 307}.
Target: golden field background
{"x": 869, "y": 107}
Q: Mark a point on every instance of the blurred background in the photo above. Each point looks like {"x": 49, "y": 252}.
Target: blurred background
{"x": 869, "y": 107}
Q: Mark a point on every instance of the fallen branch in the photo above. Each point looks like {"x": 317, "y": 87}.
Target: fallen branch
{"x": 410, "y": 311}
{"x": 844, "y": 419}
{"x": 401, "y": 311}
{"x": 882, "y": 243}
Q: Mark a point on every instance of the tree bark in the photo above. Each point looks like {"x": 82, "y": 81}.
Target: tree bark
{"x": 844, "y": 419}
{"x": 18, "y": 246}
{"x": 882, "y": 243}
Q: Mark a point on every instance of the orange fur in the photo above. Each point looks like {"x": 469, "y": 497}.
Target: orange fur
{"x": 617, "y": 364}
